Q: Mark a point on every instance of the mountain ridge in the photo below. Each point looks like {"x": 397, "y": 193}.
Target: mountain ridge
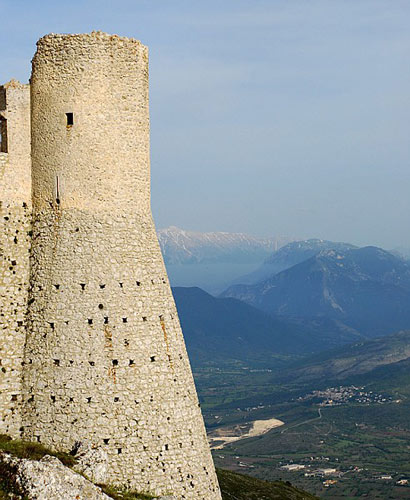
{"x": 289, "y": 255}
{"x": 180, "y": 246}
{"x": 355, "y": 359}
{"x": 366, "y": 288}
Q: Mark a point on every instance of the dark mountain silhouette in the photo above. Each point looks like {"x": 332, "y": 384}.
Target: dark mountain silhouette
{"x": 220, "y": 330}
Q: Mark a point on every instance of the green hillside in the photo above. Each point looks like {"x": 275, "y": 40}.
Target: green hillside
{"x": 394, "y": 378}
{"x": 353, "y": 360}
{"x": 239, "y": 487}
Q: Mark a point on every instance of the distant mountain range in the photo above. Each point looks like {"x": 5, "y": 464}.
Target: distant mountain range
{"x": 309, "y": 296}
{"x": 212, "y": 260}
{"x": 366, "y": 289}
{"x": 288, "y": 256}
{"x": 190, "y": 247}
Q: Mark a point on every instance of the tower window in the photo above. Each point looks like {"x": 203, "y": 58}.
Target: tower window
{"x": 3, "y": 99}
{"x": 3, "y": 135}
{"x": 70, "y": 119}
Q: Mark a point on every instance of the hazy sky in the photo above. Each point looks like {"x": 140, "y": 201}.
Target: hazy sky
{"x": 269, "y": 117}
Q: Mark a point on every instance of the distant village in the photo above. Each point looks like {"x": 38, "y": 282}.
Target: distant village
{"x": 335, "y": 396}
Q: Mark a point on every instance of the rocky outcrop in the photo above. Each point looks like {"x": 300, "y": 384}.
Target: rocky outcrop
{"x": 49, "y": 479}
{"x": 92, "y": 462}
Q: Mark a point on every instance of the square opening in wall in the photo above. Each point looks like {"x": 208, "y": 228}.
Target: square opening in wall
{"x": 70, "y": 119}
{"x": 3, "y": 135}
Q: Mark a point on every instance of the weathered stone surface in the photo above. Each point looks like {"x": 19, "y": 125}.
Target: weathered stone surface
{"x": 49, "y": 479}
{"x": 92, "y": 462}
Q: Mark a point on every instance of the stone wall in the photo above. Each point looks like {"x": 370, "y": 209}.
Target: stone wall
{"x": 105, "y": 356}
{"x": 15, "y": 215}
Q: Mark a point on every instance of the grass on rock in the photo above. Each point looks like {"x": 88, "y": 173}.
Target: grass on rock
{"x": 33, "y": 451}
{"x": 36, "y": 451}
{"x": 119, "y": 494}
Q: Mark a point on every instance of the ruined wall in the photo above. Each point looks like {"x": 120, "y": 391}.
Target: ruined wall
{"x": 15, "y": 213}
{"x": 105, "y": 356}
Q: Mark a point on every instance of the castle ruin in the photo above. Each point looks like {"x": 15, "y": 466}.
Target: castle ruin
{"x": 91, "y": 346}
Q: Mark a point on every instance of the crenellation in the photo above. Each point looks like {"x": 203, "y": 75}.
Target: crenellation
{"x": 92, "y": 348}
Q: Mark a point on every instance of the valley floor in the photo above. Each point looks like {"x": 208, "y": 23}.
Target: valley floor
{"x": 353, "y": 446}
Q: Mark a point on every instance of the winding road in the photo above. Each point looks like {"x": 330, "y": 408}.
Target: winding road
{"x": 304, "y": 422}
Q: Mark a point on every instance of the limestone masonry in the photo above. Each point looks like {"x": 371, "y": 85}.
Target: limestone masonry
{"x": 91, "y": 345}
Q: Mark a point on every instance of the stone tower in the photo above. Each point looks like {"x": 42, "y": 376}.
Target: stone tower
{"x": 105, "y": 359}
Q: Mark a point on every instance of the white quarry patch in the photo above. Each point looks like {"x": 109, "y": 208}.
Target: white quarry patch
{"x": 258, "y": 428}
